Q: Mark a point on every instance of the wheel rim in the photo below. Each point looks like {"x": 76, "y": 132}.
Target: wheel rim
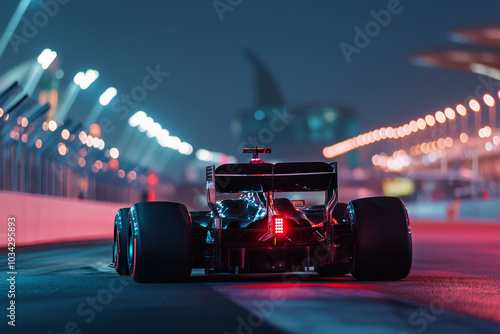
{"x": 130, "y": 250}
{"x": 118, "y": 229}
{"x": 115, "y": 247}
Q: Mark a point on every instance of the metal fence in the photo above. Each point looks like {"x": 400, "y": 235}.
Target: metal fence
{"x": 38, "y": 159}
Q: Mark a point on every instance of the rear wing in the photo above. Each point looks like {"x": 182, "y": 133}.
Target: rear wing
{"x": 290, "y": 177}
{"x": 280, "y": 177}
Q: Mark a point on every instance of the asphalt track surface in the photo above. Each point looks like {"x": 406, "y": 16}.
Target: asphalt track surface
{"x": 454, "y": 287}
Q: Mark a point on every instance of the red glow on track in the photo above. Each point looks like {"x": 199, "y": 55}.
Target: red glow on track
{"x": 299, "y": 284}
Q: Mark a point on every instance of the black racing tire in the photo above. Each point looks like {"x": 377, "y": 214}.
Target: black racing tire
{"x": 382, "y": 248}
{"x": 120, "y": 240}
{"x": 160, "y": 242}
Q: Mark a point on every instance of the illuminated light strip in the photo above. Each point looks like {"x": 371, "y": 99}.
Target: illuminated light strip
{"x": 400, "y": 159}
{"x": 427, "y": 147}
{"x": 147, "y": 124}
{"x": 154, "y": 130}
{"x": 401, "y": 131}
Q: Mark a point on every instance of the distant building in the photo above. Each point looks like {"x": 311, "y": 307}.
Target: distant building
{"x": 294, "y": 133}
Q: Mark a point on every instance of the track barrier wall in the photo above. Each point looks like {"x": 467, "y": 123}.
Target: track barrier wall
{"x": 458, "y": 210}
{"x": 44, "y": 219}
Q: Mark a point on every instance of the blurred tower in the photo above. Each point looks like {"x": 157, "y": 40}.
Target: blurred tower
{"x": 294, "y": 133}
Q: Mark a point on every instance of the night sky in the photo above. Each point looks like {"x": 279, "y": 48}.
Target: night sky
{"x": 211, "y": 79}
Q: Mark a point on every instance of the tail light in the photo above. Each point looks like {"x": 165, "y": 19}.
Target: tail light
{"x": 279, "y": 225}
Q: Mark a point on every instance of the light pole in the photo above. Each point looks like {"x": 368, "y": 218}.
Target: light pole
{"x": 476, "y": 107}
{"x": 490, "y": 102}
{"x": 81, "y": 81}
{"x": 104, "y": 100}
{"x": 43, "y": 62}
{"x": 14, "y": 21}
{"x": 462, "y": 111}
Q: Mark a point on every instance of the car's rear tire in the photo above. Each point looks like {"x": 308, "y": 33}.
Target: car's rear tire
{"x": 382, "y": 248}
{"x": 160, "y": 242}
{"x": 120, "y": 241}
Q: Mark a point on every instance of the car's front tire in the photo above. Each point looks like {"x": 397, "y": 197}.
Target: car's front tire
{"x": 382, "y": 247}
{"x": 160, "y": 242}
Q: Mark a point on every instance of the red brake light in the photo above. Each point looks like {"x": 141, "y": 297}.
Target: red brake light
{"x": 279, "y": 227}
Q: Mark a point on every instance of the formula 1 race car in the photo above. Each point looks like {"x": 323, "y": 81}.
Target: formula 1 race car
{"x": 258, "y": 222}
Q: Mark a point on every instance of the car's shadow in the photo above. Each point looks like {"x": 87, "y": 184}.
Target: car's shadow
{"x": 290, "y": 277}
